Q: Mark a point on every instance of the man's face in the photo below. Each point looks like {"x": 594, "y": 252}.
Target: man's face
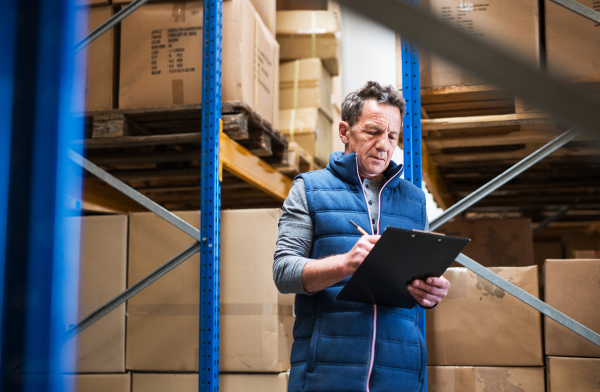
{"x": 373, "y": 138}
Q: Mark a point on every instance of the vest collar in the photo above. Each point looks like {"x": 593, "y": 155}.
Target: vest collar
{"x": 344, "y": 166}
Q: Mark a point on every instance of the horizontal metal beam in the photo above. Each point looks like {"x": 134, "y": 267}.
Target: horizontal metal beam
{"x": 529, "y": 299}
{"x": 135, "y": 195}
{"x": 250, "y": 168}
{"x": 109, "y": 24}
{"x": 506, "y": 176}
{"x": 489, "y": 63}
{"x": 131, "y": 291}
{"x": 580, "y": 9}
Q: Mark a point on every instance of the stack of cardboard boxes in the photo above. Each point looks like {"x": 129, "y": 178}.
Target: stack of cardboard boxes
{"x": 571, "y": 286}
{"x": 511, "y": 25}
{"x": 310, "y": 47}
{"x": 480, "y": 338}
{"x": 151, "y": 343}
{"x": 154, "y": 58}
{"x": 163, "y": 320}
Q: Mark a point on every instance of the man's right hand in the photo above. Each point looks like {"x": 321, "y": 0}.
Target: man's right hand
{"x": 359, "y": 252}
{"x": 322, "y": 273}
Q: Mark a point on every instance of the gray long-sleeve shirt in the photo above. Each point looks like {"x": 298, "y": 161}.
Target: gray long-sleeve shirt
{"x": 296, "y": 232}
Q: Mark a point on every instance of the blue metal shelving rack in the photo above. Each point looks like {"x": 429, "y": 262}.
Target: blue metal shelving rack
{"x": 411, "y": 132}
{"x": 210, "y": 197}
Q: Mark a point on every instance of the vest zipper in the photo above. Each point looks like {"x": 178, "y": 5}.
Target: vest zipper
{"x": 374, "y": 306}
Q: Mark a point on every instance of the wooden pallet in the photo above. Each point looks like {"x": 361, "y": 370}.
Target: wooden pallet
{"x": 180, "y": 125}
{"x": 299, "y": 161}
{"x": 472, "y": 134}
{"x": 157, "y": 152}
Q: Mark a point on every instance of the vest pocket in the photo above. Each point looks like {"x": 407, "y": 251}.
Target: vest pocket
{"x": 312, "y": 348}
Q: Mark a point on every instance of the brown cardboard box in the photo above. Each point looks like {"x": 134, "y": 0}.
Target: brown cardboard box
{"x": 103, "y": 267}
{"x": 304, "y": 34}
{"x": 305, "y": 83}
{"x": 510, "y": 24}
{"x": 479, "y": 324}
{"x": 571, "y": 286}
{"x": 256, "y": 321}
{"x": 311, "y": 130}
{"x": 266, "y": 9}
{"x": 572, "y": 48}
{"x": 101, "y": 87}
{"x": 495, "y": 243}
{"x": 573, "y": 374}
{"x": 543, "y": 251}
{"x": 161, "y": 57}
{"x": 149, "y": 382}
{"x": 97, "y": 382}
{"x": 485, "y": 379}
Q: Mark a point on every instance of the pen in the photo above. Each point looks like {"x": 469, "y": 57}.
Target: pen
{"x": 359, "y": 228}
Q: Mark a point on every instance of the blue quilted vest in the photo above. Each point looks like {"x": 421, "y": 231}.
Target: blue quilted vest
{"x": 346, "y": 346}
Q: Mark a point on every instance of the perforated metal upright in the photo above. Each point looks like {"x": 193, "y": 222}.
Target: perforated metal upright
{"x": 210, "y": 197}
{"x": 411, "y": 132}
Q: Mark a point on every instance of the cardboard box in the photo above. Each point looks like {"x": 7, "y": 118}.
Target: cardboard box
{"x": 310, "y": 128}
{"x": 511, "y": 25}
{"x": 479, "y": 324}
{"x": 571, "y": 286}
{"x": 572, "y": 49}
{"x": 102, "y": 273}
{"x": 485, "y": 379}
{"x": 572, "y": 374}
{"x": 93, "y": 382}
{"x": 161, "y": 57}
{"x": 543, "y": 251}
{"x": 101, "y": 60}
{"x": 266, "y": 9}
{"x": 305, "y": 83}
{"x": 149, "y": 382}
{"x": 304, "y": 34}
{"x": 495, "y": 243}
{"x": 256, "y": 321}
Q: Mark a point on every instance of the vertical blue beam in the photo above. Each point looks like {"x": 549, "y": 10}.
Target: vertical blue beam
{"x": 413, "y": 171}
{"x": 210, "y": 222}
{"x": 39, "y": 287}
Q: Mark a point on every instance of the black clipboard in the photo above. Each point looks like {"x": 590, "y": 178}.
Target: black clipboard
{"x": 399, "y": 257}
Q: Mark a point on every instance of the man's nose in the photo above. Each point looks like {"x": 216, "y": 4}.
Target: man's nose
{"x": 381, "y": 144}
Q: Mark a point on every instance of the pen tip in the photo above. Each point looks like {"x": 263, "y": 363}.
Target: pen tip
{"x": 354, "y": 224}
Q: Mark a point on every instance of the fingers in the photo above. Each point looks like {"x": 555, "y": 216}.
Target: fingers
{"x": 438, "y": 291}
{"x": 440, "y": 282}
{"x": 422, "y": 294}
{"x": 428, "y": 303}
{"x": 372, "y": 238}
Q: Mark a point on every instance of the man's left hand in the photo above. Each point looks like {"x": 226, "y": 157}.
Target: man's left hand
{"x": 430, "y": 292}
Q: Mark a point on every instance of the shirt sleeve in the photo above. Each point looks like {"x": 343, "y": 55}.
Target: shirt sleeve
{"x": 294, "y": 241}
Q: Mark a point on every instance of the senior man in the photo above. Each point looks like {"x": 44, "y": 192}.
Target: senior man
{"x": 338, "y": 345}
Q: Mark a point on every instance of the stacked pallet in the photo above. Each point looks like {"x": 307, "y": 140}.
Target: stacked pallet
{"x": 144, "y": 93}
{"x": 308, "y": 34}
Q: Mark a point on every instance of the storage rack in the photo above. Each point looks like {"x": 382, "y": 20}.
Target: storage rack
{"x": 40, "y": 172}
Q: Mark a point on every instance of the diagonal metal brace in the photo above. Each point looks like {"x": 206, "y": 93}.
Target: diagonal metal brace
{"x": 135, "y": 195}
{"x": 131, "y": 291}
{"x": 109, "y": 24}
{"x": 529, "y": 299}
{"x": 580, "y": 9}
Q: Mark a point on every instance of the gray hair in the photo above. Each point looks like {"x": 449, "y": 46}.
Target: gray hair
{"x": 353, "y": 103}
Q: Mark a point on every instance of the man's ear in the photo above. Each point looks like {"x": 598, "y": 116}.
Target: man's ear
{"x": 344, "y": 132}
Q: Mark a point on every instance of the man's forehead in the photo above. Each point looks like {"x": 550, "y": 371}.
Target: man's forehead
{"x": 379, "y": 114}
